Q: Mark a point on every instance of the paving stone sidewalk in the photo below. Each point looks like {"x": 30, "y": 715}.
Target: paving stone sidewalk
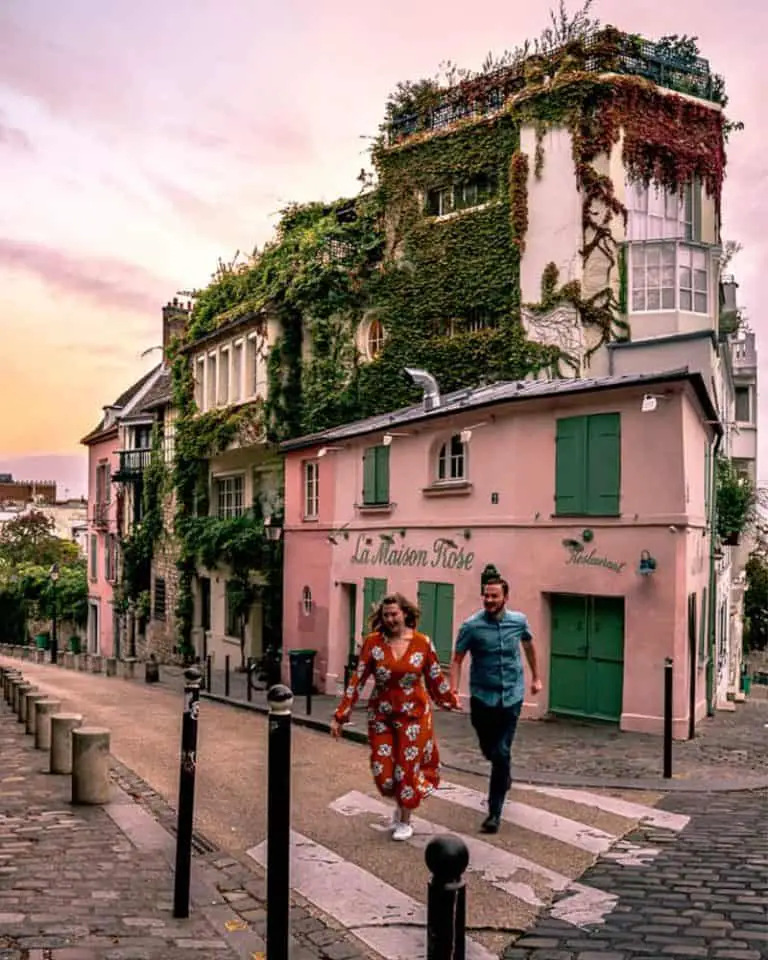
{"x": 76, "y": 886}
{"x": 705, "y": 896}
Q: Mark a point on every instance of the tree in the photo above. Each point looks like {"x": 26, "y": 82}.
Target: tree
{"x": 30, "y": 538}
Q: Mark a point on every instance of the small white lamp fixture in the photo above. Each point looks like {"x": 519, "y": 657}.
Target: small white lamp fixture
{"x": 389, "y": 437}
{"x": 651, "y": 402}
{"x": 466, "y": 434}
{"x": 324, "y": 451}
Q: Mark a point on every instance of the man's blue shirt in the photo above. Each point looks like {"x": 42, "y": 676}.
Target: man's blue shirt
{"x": 496, "y": 671}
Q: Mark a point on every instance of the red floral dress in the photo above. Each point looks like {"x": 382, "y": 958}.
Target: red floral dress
{"x": 405, "y": 761}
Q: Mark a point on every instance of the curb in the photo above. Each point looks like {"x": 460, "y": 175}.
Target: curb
{"x": 574, "y": 781}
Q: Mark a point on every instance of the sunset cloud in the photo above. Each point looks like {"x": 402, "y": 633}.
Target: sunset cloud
{"x": 110, "y": 283}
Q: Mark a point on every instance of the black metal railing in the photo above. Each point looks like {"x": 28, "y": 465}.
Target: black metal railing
{"x": 632, "y": 56}
{"x": 133, "y": 463}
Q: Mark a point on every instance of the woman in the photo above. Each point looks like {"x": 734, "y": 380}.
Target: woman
{"x": 404, "y": 757}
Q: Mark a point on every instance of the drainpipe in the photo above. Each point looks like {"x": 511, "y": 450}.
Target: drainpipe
{"x": 712, "y": 633}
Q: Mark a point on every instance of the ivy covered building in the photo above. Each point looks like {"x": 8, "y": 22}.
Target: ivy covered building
{"x": 556, "y": 215}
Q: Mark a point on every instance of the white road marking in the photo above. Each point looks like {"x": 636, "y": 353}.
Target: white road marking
{"x": 622, "y": 808}
{"x": 493, "y": 864}
{"x": 549, "y": 824}
{"x": 382, "y": 917}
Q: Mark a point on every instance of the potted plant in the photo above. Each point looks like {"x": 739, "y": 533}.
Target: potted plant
{"x": 736, "y": 499}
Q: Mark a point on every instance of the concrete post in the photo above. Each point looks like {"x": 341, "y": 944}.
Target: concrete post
{"x": 76, "y": 657}
{"x": 18, "y": 706}
{"x": 128, "y": 669}
{"x": 69, "y": 660}
{"x": 14, "y": 691}
{"x": 8, "y": 680}
{"x": 90, "y": 765}
{"x": 45, "y": 710}
{"x": 39, "y": 656}
{"x": 95, "y": 663}
{"x": 62, "y": 726}
{"x": 111, "y": 667}
{"x": 83, "y": 663}
{"x": 31, "y": 716}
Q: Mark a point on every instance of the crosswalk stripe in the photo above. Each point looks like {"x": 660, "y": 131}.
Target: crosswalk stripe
{"x": 494, "y": 865}
{"x": 622, "y": 808}
{"x": 560, "y": 828}
{"x": 382, "y": 917}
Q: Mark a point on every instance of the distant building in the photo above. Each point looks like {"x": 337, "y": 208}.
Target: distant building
{"x": 25, "y": 491}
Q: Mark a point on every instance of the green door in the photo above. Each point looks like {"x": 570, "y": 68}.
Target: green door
{"x": 374, "y": 591}
{"x": 351, "y": 618}
{"x": 587, "y": 656}
{"x": 436, "y": 604}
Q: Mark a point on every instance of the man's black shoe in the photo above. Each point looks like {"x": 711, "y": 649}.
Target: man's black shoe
{"x": 490, "y": 824}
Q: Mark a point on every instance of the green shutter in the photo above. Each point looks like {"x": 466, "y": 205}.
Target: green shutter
{"x": 703, "y": 651}
{"x": 427, "y": 603}
{"x": 382, "y": 475}
{"x": 570, "y": 465}
{"x": 442, "y": 636}
{"x": 603, "y": 464}
{"x": 374, "y": 591}
{"x": 369, "y": 475}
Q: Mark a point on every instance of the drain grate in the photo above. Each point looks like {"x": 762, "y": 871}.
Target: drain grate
{"x": 200, "y": 844}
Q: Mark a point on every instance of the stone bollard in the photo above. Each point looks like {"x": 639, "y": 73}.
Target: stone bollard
{"x": 90, "y": 765}
{"x": 32, "y": 701}
{"x": 39, "y": 656}
{"x": 151, "y": 670}
{"x": 14, "y": 691}
{"x": 20, "y": 690}
{"x": 128, "y": 668}
{"x": 45, "y": 710}
{"x": 76, "y": 661}
{"x": 22, "y": 711}
{"x": 10, "y": 681}
{"x": 69, "y": 660}
{"x": 95, "y": 663}
{"x": 83, "y": 664}
{"x": 25, "y": 653}
{"x": 62, "y": 726}
{"x": 111, "y": 666}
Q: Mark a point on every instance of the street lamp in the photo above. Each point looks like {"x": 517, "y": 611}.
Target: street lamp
{"x": 273, "y": 530}
{"x": 54, "y": 576}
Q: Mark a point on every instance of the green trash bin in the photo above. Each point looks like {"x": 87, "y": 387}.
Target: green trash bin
{"x": 74, "y": 644}
{"x": 302, "y": 671}
{"x": 41, "y": 641}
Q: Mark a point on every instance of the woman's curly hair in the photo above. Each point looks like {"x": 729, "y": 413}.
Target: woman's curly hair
{"x": 411, "y": 612}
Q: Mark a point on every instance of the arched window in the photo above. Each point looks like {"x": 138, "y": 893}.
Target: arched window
{"x": 306, "y": 601}
{"x": 452, "y": 460}
{"x": 374, "y": 340}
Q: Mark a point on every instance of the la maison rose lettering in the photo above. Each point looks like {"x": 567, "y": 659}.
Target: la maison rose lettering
{"x": 442, "y": 554}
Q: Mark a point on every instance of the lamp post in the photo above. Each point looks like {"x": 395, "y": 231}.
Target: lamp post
{"x": 54, "y": 576}
{"x": 273, "y": 653}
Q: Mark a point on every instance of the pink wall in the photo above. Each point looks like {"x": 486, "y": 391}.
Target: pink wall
{"x": 513, "y": 456}
{"x": 100, "y": 590}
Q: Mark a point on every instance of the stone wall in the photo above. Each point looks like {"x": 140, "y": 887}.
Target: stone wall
{"x": 160, "y": 635}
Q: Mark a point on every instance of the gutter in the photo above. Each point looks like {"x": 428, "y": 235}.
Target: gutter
{"x": 712, "y": 579}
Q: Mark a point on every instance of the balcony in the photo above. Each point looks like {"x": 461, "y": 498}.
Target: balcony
{"x": 133, "y": 463}
{"x": 622, "y": 53}
{"x": 101, "y": 515}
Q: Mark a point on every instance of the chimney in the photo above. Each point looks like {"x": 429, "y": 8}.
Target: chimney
{"x": 175, "y": 318}
{"x": 428, "y": 384}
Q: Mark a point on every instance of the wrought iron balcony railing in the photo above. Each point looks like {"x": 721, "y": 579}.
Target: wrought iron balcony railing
{"x": 101, "y": 515}
{"x": 133, "y": 463}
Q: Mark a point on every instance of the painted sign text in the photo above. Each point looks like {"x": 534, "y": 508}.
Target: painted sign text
{"x": 443, "y": 553}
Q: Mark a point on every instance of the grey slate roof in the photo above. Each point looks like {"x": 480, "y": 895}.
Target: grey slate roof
{"x": 125, "y": 397}
{"x": 503, "y": 392}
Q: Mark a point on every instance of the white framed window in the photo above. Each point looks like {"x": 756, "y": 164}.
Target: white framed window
{"x": 211, "y": 382}
{"x": 200, "y": 383}
{"x": 654, "y": 213}
{"x": 474, "y": 192}
{"x": 237, "y": 371}
{"x": 256, "y": 366}
{"x": 374, "y": 339}
{"x": 306, "y": 601}
{"x": 223, "y": 391}
{"x": 311, "y": 489}
{"x": 743, "y": 405}
{"x": 230, "y": 496}
{"x": 452, "y": 460}
{"x": 668, "y": 275}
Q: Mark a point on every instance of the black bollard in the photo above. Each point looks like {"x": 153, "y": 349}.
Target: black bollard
{"x": 447, "y": 858}
{"x": 668, "y": 718}
{"x": 186, "y": 793}
{"x": 280, "y": 700}
{"x": 226, "y": 675}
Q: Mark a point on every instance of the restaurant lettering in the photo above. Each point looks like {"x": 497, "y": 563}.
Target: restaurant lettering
{"x": 593, "y": 559}
{"x": 443, "y": 553}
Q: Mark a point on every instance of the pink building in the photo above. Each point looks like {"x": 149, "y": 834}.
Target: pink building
{"x": 103, "y": 443}
{"x": 589, "y": 496}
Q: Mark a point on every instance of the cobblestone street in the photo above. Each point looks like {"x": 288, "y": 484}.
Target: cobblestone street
{"x": 706, "y": 895}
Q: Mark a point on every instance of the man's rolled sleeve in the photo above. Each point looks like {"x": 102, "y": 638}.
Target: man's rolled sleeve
{"x": 526, "y": 636}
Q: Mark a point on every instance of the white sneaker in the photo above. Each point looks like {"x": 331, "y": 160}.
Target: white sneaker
{"x": 403, "y": 831}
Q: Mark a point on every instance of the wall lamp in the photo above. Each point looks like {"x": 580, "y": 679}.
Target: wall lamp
{"x": 466, "y": 434}
{"x": 389, "y": 437}
{"x": 323, "y": 451}
{"x": 647, "y": 564}
{"x": 651, "y": 402}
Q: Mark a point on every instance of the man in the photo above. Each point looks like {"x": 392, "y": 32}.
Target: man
{"x": 492, "y": 637}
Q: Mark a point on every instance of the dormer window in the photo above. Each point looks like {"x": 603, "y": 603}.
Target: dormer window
{"x": 452, "y": 461}
{"x": 374, "y": 340}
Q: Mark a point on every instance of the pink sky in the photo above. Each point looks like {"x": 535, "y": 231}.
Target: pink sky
{"x": 141, "y": 141}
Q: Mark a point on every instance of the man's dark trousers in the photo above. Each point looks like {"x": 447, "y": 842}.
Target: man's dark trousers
{"x": 495, "y": 728}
